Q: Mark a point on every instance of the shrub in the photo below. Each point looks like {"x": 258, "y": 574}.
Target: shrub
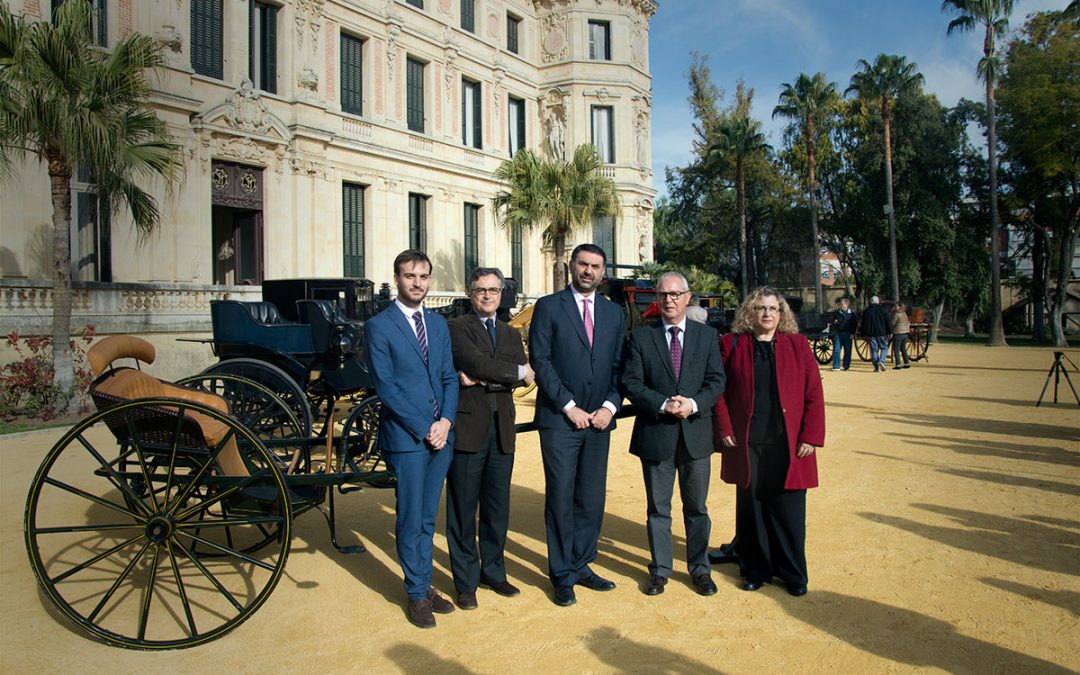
{"x": 26, "y": 384}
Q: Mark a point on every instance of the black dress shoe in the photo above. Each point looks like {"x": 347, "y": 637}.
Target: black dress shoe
{"x": 595, "y": 582}
{"x": 419, "y": 613}
{"x": 722, "y": 555}
{"x": 655, "y": 585}
{"x": 704, "y": 585}
{"x": 752, "y": 585}
{"x": 564, "y": 596}
{"x": 796, "y": 589}
{"x": 503, "y": 588}
{"x": 467, "y": 600}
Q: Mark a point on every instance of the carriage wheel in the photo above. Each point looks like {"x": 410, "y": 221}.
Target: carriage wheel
{"x": 110, "y": 533}
{"x": 862, "y": 347}
{"x": 917, "y": 345}
{"x": 359, "y": 451}
{"x": 271, "y": 377}
{"x": 823, "y": 349}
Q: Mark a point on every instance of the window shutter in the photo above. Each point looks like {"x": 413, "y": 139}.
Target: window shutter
{"x": 270, "y": 48}
{"x": 102, "y": 32}
{"x": 352, "y": 208}
{"x": 478, "y": 125}
{"x": 216, "y": 32}
{"x": 351, "y": 75}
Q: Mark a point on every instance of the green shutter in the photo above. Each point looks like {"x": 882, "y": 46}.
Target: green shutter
{"x": 414, "y": 96}
{"x": 270, "y": 48}
{"x": 206, "y": 37}
{"x": 515, "y": 253}
{"x": 352, "y": 208}
{"x": 512, "y": 33}
{"x": 351, "y": 75}
{"x": 472, "y": 239}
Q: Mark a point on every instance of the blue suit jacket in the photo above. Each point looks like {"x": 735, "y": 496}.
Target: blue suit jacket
{"x": 407, "y": 387}
{"x": 566, "y": 367}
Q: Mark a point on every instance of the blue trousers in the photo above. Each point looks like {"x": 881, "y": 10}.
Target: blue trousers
{"x": 879, "y": 349}
{"x": 841, "y": 341}
{"x": 420, "y": 477}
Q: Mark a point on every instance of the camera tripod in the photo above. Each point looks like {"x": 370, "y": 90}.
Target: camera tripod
{"x": 1057, "y": 370}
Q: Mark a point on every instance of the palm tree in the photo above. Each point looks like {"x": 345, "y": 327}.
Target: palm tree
{"x": 993, "y": 15}
{"x": 738, "y": 137}
{"x": 807, "y": 103}
{"x": 887, "y": 79}
{"x": 70, "y": 105}
{"x": 559, "y": 195}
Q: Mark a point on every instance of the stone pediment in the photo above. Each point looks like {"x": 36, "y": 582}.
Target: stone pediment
{"x": 244, "y": 112}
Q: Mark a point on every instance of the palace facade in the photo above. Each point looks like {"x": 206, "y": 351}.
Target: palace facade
{"x": 322, "y": 137}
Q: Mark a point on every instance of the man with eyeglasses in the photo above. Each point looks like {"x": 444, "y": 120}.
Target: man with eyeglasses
{"x": 575, "y": 346}
{"x": 490, "y": 361}
{"x": 674, "y": 375}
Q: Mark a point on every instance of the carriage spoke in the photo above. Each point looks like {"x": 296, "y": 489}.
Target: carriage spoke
{"x": 148, "y": 595}
{"x": 114, "y": 477}
{"x": 97, "y": 500}
{"x": 197, "y": 525}
{"x": 210, "y": 577}
{"x": 172, "y": 461}
{"x": 119, "y": 580}
{"x": 139, "y": 454}
{"x": 87, "y": 528}
{"x": 202, "y": 470}
{"x": 227, "y": 550}
{"x": 96, "y": 559}
{"x": 181, "y": 590}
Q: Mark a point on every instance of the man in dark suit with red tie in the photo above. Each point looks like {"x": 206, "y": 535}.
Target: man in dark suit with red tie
{"x": 575, "y": 347}
{"x": 674, "y": 374}
{"x": 408, "y": 353}
{"x": 490, "y": 360}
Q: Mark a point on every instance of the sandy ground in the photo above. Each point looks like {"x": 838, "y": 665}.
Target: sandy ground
{"x": 945, "y": 538}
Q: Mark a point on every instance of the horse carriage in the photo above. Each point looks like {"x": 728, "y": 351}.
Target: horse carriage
{"x": 821, "y": 340}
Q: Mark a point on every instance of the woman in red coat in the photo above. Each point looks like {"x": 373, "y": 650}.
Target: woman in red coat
{"x": 769, "y": 422}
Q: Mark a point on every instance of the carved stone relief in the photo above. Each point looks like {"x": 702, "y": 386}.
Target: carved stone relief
{"x": 308, "y": 15}
{"x": 554, "y": 43}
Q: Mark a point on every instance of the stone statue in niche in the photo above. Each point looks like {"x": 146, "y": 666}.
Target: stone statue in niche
{"x": 556, "y": 133}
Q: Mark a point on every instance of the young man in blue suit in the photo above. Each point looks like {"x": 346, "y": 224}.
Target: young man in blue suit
{"x": 409, "y": 356}
{"x": 575, "y": 347}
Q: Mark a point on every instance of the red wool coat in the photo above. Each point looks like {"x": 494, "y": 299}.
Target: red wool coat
{"x": 801, "y": 399}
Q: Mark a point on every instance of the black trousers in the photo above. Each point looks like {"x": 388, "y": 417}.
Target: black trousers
{"x": 478, "y": 479}
{"x": 770, "y": 521}
{"x": 575, "y": 477}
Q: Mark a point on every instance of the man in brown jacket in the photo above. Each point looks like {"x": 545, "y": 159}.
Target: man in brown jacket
{"x": 490, "y": 361}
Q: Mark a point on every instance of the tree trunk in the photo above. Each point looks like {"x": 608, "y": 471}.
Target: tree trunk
{"x": 815, "y": 252}
{"x": 740, "y": 204}
{"x": 894, "y": 274}
{"x": 558, "y": 270}
{"x": 1038, "y": 285}
{"x": 1066, "y": 246}
{"x": 63, "y": 367}
{"x": 935, "y": 325}
{"x": 997, "y": 324}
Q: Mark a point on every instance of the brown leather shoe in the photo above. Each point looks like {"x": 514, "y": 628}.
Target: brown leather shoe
{"x": 419, "y": 613}
{"x": 467, "y": 600}
{"x": 503, "y": 588}
{"x": 439, "y": 604}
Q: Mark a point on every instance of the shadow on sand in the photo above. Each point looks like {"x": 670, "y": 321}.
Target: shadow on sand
{"x": 904, "y": 636}
{"x": 628, "y": 656}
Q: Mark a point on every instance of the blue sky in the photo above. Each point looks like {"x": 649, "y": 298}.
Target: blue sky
{"x": 769, "y": 42}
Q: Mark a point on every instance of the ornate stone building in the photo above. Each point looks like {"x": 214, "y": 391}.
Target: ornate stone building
{"x": 321, "y": 137}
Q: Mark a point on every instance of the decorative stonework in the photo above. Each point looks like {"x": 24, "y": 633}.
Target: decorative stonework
{"x": 644, "y": 229}
{"x": 378, "y": 75}
{"x": 639, "y": 49}
{"x": 553, "y": 37}
{"x": 555, "y": 106}
{"x": 642, "y": 114}
{"x": 308, "y": 80}
{"x": 493, "y": 25}
{"x": 308, "y": 17}
{"x": 170, "y": 38}
{"x": 444, "y": 7}
{"x": 246, "y": 111}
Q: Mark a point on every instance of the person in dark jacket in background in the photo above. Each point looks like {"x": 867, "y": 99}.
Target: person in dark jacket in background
{"x": 875, "y": 327}
{"x": 842, "y": 327}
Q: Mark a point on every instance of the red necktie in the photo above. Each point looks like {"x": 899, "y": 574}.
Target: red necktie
{"x": 588, "y": 321}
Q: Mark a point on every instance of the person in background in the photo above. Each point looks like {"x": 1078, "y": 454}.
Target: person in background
{"x": 842, "y": 327}
{"x": 875, "y": 328}
{"x": 770, "y": 421}
{"x": 901, "y": 326}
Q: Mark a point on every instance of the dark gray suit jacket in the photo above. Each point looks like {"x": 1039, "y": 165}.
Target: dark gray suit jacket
{"x": 648, "y": 379}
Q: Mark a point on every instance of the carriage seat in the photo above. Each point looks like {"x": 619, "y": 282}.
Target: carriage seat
{"x": 120, "y": 385}
{"x": 264, "y": 312}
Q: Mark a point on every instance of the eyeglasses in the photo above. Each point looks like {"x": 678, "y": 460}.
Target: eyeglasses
{"x": 486, "y": 291}
{"x": 762, "y": 309}
{"x": 670, "y": 295}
